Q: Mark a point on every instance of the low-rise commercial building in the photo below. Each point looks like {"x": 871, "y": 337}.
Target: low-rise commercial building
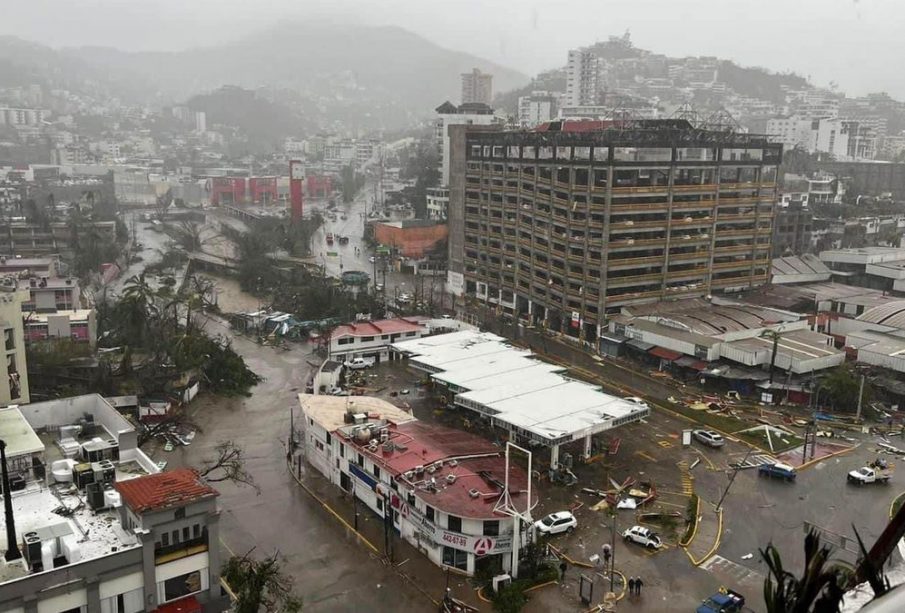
{"x": 528, "y": 398}
{"x": 440, "y": 489}
{"x": 372, "y": 339}
{"x": 79, "y": 325}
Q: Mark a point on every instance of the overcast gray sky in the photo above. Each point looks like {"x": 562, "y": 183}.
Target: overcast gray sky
{"x": 857, "y": 43}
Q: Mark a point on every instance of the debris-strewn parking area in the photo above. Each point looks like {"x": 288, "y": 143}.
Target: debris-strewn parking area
{"x": 654, "y": 480}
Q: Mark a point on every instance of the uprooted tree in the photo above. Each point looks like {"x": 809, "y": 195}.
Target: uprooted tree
{"x": 260, "y": 585}
{"x": 229, "y": 465}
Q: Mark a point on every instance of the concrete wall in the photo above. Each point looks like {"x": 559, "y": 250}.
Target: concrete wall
{"x": 413, "y": 242}
{"x": 53, "y": 414}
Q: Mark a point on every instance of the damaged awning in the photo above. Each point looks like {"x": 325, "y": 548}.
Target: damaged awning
{"x": 689, "y": 362}
{"x": 666, "y": 354}
{"x": 640, "y": 345}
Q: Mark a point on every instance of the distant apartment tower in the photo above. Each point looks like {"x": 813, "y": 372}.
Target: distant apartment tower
{"x": 449, "y": 114}
{"x": 571, "y": 222}
{"x": 537, "y": 108}
{"x": 22, "y": 117}
{"x": 582, "y": 78}
{"x": 477, "y": 87}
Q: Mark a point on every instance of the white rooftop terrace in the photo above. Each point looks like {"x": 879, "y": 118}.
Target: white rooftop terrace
{"x": 95, "y": 534}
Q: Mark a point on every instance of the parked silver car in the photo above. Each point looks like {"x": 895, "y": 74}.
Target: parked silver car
{"x": 709, "y": 438}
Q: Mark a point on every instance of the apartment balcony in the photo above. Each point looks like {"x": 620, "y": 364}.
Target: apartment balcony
{"x": 737, "y": 217}
{"x": 692, "y": 273}
{"x": 642, "y": 190}
{"x": 615, "y": 299}
{"x": 728, "y": 201}
{"x": 640, "y": 207}
{"x": 740, "y": 280}
{"x": 636, "y": 243}
{"x": 580, "y": 259}
{"x": 732, "y": 186}
{"x": 726, "y": 249}
{"x": 629, "y": 226}
{"x": 625, "y": 263}
{"x": 731, "y": 265}
{"x": 685, "y": 189}
{"x": 690, "y": 257}
{"x": 703, "y": 205}
{"x": 724, "y": 232}
{"x": 634, "y": 280}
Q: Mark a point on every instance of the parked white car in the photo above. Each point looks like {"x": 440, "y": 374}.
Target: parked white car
{"x": 639, "y": 401}
{"x": 359, "y": 363}
{"x": 642, "y": 536}
{"x": 709, "y": 438}
{"x": 556, "y": 523}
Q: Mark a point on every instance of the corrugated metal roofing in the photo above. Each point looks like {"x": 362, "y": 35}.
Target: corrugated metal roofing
{"x": 891, "y": 314}
{"x": 174, "y": 488}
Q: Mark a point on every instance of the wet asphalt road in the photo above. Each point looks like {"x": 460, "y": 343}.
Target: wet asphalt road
{"x": 330, "y": 570}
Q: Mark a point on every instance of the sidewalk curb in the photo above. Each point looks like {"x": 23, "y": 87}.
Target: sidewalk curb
{"x": 694, "y": 533}
{"x": 811, "y": 463}
{"x": 716, "y": 544}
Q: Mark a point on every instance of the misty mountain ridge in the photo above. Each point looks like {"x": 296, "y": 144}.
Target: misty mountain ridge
{"x": 386, "y": 74}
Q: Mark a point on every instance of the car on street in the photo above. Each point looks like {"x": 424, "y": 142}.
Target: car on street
{"x": 359, "y": 363}
{"x": 724, "y": 601}
{"x": 556, "y": 523}
{"x": 642, "y": 536}
{"x": 778, "y": 470}
{"x": 868, "y": 474}
{"x": 709, "y": 438}
{"x": 639, "y": 401}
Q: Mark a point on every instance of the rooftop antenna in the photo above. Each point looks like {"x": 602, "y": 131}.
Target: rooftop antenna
{"x": 12, "y": 546}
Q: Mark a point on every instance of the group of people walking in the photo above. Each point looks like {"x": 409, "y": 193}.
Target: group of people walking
{"x": 634, "y": 586}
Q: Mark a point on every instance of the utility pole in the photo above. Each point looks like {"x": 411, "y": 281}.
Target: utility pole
{"x": 860, "y": 399}
{"x": 737, "y": 468}
{"x": 613, "y": 552}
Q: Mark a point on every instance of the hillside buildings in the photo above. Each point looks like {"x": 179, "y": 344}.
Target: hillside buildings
{"x": 536, "y": 108}
{"x": 583, "y": 78}
{"x": 477, "y": 87}
{"x": 575, "y": 220}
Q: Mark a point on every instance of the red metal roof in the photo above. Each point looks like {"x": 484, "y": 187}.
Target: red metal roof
{"x": 427, "y": 444}
{"x": 183, "y": 605}
{"x": 174, "y": 488}
{"x": 377, "y": 328}
{"x": 666, "y": 354}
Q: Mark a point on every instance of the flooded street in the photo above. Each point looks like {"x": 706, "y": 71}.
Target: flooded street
{"x": 331, "y": 571}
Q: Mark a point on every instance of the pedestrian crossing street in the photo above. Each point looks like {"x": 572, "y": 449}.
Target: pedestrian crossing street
{"x": 754, "y": 461}
{"x": 721, "y": 566}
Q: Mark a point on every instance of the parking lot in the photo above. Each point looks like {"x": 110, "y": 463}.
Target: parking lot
{"x": 755, "y": 510}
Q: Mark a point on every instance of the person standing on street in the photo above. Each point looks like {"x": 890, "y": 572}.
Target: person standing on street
{"x": 607, "y": 553}
{"x": 638, "y": 585}
{"x": 631, "y": 586}
{"x": 562, "y": 569}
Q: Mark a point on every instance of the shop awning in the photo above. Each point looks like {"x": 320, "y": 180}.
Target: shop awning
{"x": 183, "y": 605}
{"x": 666, "y": 354}
{"x": 612, "y": 337}
{"x": 689, "y": 362}
{"x": 640, "y": 345}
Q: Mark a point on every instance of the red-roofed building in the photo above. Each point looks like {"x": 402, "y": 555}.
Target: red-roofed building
{"x": 372, "y": 339}
{"x": 444, "y": 486}
{"x": 174, "y": 488}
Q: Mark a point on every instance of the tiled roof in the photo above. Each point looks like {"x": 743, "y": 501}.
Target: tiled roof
{"x": 174, "y": 488}
{"x": 377, "y": 328}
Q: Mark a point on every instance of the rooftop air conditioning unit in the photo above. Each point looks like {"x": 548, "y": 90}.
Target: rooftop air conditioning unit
{"x": 474, "y": 493}
{"x": 409, "y": 474}
{"x": 453, "y": 462}
{"x": 450, "y": 478}
{"x": 431, "y": 469}
{"x": 419, "y": 469}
